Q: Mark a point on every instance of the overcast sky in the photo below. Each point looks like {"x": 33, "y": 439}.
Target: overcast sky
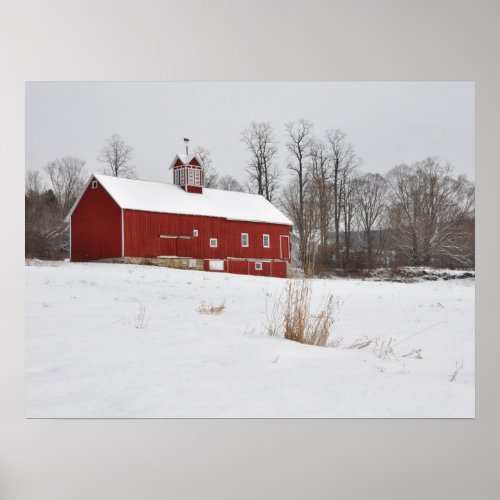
{"x": 387, "y": 122}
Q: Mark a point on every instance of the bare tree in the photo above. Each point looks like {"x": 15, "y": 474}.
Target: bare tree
{"x": 343, "y": 158}
{"x": 321, "y": 185}
{"x": 228, "y": 183}
{"x": 116, "y": 155}
{"x": 429, "y": 211}
{"x": 66, "y": 176}
{"x": 33, "y": 184}
{"x": 43, "y": 219}
{"x": 349, "y": 182}
{"x": 262, "y": 170}
{"x": 291, "y": 206}
{"x": 210, "y": 175}
{"x": 298, "y": 146}
{"x": 46, "y": 232}
{"x": 371, "y": 198}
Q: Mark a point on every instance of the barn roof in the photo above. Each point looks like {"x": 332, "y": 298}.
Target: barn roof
{"x": 133, "y": 194}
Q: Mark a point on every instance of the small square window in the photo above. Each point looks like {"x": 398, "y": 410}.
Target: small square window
{"x": 94, "y": 184}
{"x": 213, "y": 242}
{"x": 258, "y": 266}
{"x": 244, "y": 239}
{"x": 266, "y": 242}
{"x": 195, "y": 233}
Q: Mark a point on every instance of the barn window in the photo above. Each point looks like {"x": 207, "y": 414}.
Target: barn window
{"x": 191, "y": 176}
{"x": 195, "y": 232}
{"x": 213, "y": 242}
{"x": 197, "y": 177}
{"x": 258, "y": 266}
{"x": 94, "y": 184}
{"x": 216, "y": 265}
{"x": 181, "y": 176}
{"x": 244, "y": 239}
{"x": 266, "y": 241}
{"x": 176, "y": 177}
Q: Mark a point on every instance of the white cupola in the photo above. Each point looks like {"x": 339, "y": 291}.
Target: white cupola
{"x": 188, "y": 171}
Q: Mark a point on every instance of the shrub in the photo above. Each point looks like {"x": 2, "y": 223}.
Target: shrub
{"x": 292, "y": 317}
{"x": 140, "y": 320}
{"x": 209, "y": 308}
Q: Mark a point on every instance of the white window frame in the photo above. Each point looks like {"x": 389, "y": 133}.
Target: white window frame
{"x": 248, "y": 240}
{"x": 181, "y": 177}
{"x": 258, "y": 266}
{"x": 190, "y": 177}
{"x": 94, "y": 184}
{"x": 216, "y": 265}
{"x": 212, "y": 244}
{"x": 195, "y": 233}
{"x": 197, "y": 177}
{"x": 264, "y": 241}
{"x": 176, "y": 177}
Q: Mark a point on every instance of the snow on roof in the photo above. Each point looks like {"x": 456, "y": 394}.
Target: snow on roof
{"x": 161, "y": 197}
{"x": 185, "y": 159}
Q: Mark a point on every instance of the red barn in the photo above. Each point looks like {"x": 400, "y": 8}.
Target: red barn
{"x": 228, "y": 231}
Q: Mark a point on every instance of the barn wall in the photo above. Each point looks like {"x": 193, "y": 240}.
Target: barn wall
{"x": 275, "y": 269}
{"x": 96, "y": 226}
{"x": 142, "y": 232}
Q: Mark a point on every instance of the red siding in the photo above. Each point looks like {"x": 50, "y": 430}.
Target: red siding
{"x": 143, "y": 229}
{"x": 270, "y": 268}
{"x": 142, "y": 232}
{"x": 96, "y": 226}
{"x": 193, "y": 189}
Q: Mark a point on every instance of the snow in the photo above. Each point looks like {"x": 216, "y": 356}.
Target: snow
{"x": 161, "y": 197}
{"x": 85, "y": 356}
{"x": 185, "y": 159}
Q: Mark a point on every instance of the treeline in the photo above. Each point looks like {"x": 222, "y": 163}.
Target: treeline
{"x": 419, "y": 214}
{"x": 46, "y": 206}
{"x": 46, "y": 232}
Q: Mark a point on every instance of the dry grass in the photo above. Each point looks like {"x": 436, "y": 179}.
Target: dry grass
{"x": 209, "y": 308}
{"x": 384, "y": 348}
{"x": 360, "y": 343}
{"x": 291, "y": 315}
{"x": 458, "y": 367}
{"x": 140, "y": 321}
{"x": 335, "y": 342}
{"x": 414, "y": 353}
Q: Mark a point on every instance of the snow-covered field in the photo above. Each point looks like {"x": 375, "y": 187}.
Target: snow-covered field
{"x": 86, "y": 356}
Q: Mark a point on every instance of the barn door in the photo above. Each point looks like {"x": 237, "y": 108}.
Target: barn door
{"x": 285, "y": 247}
{"x": 168, "y": 246}
{"x": 185, "y": 246}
